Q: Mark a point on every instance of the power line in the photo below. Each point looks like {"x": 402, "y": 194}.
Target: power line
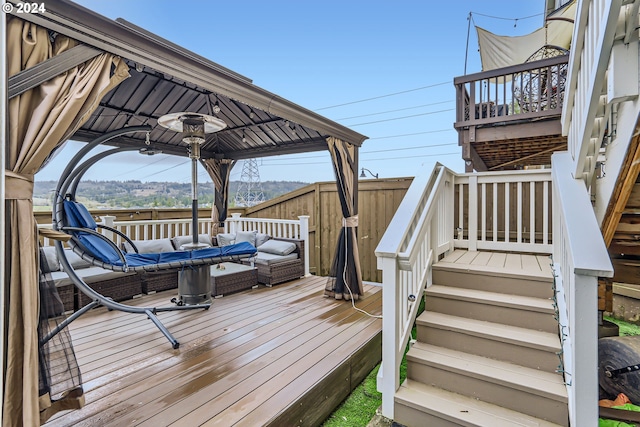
{"x": 384, "y": 96}
{"x": 164, "y": 170}
{"x": 393, "y": 111}
{"x": 411, "y": 134}
{"x": 141, "y": 167}
{"x": 368, "y": 160}
{"x": 412, "y": 157}
{"x": 410, "y": 148}
{"x": 403, "y": 117}
{"x": 374, "y": 151}
{"x": 507, "y": 19}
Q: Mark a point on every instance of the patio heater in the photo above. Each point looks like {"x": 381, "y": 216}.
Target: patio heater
{"x": 193, "y": 283}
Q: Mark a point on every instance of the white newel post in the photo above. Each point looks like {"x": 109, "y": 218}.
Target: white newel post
{"x": 233, "y": 223}
{"x": 108, "y": 220}
{"x": 388, "y": 380}
{"x": 304, "y": 235}
{"x": 583, "y": 318}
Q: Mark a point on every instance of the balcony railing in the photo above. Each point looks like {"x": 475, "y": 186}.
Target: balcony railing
{"x": 532, "y": 90}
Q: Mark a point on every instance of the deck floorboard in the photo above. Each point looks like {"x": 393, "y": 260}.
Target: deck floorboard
{"x": 538, "y": 265}
{"x": 252, "y": 356}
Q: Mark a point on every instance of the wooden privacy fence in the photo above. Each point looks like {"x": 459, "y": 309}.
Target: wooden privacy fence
{"x": 378, "y": 200}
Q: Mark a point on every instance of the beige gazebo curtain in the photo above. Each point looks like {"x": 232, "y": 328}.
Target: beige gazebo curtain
{"x": 345, "y": 281}
{"x": 39, "y": 121}
{"x": 219, "y": 170}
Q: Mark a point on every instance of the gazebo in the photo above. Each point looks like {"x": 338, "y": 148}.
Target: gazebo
{"x": 74, "y": 74}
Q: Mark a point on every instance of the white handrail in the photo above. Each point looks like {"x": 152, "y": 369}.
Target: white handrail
{"x": 580, "y": 257}
{"x": 420, "y": 231}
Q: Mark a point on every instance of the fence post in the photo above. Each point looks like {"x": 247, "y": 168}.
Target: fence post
{"x": 108, "y": 220}
{"x": 304, "y": 235}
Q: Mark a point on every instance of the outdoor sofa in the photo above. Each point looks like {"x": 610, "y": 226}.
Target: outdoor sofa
{"x": 278, "y": 259}
{"x": 113, "y": 284}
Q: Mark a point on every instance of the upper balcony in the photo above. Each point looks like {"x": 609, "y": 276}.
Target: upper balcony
{"x": 508, "y": 118}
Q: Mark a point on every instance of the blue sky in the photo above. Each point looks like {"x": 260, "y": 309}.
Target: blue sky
{"x": 382, "y": 68}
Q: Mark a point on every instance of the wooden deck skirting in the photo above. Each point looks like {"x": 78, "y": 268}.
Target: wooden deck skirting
{"x": 268, "y": 356}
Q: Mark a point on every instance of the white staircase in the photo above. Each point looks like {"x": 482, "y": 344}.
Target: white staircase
{"x": 486, "y": 352}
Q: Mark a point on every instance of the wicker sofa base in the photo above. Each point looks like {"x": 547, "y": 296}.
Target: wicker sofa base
{"x": 119, "y": 289}
{"x": 280, "y": 272}
{"x": 67, "y": 296}
{"x": 156, "y": 282}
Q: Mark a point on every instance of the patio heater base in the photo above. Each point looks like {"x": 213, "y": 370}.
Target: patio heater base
{"x": 194, "y": 286}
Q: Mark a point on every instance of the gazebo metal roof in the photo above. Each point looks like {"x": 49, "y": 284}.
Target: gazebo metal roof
{"x": 166, "y": 78}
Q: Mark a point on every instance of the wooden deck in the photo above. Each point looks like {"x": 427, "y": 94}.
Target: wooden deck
{"x": 503, "y": 262}
{"x": 269, "y": 356}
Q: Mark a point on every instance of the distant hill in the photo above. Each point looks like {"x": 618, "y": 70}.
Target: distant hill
{"x": 137, "y": 194}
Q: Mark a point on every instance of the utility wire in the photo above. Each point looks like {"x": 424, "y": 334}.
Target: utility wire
{"x": 403, "y": 117}
{"x": 411, "y": 134}
{"x": 368, "y": 160}
{"x": 506, "y": 19}
{"x": 384, "y": 96}
{"x": 393, "y": 111}
{"x": 369, "y": 152}
{"x": 164, "y": 170}
{"x": 141, "y": 167}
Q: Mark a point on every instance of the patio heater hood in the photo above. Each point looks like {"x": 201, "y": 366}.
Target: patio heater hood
{"x": 194, "y": 127}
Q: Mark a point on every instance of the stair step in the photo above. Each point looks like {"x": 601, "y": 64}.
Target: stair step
{"x": 494, "y": 279}
{"x": 526, "y": 347}
{"x": 516, "y": 310}
{"x": 418, "y": 404}
{"x": 530, "y": 391}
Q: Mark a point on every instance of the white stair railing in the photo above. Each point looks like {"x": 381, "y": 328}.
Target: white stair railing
{"x": 509, "y": 211}
{"x": 579, "y": 258}
{"x": 420, "y": 231}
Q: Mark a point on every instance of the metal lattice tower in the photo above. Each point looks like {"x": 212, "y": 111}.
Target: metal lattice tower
{"x": 250, "y": 188}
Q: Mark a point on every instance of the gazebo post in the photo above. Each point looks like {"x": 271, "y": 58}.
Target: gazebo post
{"x": 3, "y": 144}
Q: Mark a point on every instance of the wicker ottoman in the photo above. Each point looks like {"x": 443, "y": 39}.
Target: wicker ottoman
{"x": 232, "y": 278}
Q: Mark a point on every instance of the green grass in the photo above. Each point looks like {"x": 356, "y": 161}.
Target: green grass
{"x": 626, "y": 328}
{"x": 358, "y": 409}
